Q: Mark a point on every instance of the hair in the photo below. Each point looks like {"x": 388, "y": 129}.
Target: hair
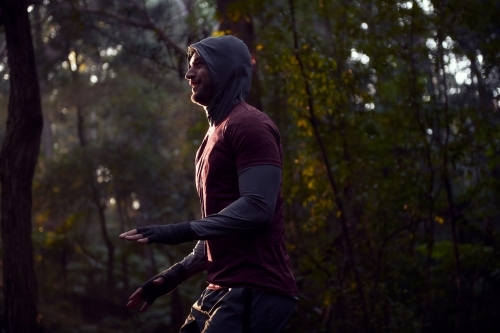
{"x": 190, "y": 51}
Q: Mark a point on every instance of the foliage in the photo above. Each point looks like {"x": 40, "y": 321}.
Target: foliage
{"x": 387, "y": 153}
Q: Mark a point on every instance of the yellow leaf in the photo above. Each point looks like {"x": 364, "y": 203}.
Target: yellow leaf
{"x": 82, "y": 68}
{"x": 439, "y": 219}
{"x": 302, "y": 123}
{"x": 42, "y": 217}
{"x": 218, "y": 33}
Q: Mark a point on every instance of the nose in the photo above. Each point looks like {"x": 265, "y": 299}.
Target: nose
{"x": 190, "y": 74}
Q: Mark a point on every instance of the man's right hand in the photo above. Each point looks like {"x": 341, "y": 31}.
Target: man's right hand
{"x": 162, "y": 284}
{"x": 136, "y": 298}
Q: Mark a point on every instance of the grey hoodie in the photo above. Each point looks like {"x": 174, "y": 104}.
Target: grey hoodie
{"x": 230, "y": 67}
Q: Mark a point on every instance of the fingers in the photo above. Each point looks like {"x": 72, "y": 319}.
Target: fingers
{"x": 133, "y": 303}
{"x": 136, "y": 294}
{"x": 159, "y": 281}
{"x": 144, "y": 307}
{"x": 134, "y": 299}
{"x": 132, "y": 235}
{"x": 128, "y": 233}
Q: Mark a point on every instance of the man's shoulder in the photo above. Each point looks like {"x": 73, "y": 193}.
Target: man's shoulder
{"x": 245, "y": 121}
{"x": 244, "y": 114}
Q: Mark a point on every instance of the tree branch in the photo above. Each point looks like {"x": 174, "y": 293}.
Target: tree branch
{"x": 168, "y": 42}
{"x": 313, "y": 121}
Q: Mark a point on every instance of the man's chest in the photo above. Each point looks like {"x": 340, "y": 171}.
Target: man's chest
{"x": 215, "y": 162}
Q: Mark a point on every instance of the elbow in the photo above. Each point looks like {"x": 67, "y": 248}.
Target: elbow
{"x": 264, "y": 216}
{"x": 258, "y": 211}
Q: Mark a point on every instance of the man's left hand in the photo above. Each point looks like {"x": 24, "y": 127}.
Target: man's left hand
{"x": 132, "y": 235}
{"x": 167, "y": 234}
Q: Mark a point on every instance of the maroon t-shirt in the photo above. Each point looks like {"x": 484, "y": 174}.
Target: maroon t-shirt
{"x": 247, "y": 137}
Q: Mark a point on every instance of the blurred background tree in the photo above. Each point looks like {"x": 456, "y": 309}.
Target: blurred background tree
{"x": 389, "y": 116}
{"x": 18, "y": 158}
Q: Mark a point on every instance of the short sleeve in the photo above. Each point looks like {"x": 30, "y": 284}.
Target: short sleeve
{"x": 254, "y": 140}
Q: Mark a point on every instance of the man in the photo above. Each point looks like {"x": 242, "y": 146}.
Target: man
{"x": 241, "y": 233}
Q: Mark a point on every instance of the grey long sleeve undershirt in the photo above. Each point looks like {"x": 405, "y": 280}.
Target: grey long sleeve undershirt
{"x": 259, "y": 186}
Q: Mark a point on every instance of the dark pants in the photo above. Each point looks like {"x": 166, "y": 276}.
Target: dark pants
{"x": 239, "y": 310}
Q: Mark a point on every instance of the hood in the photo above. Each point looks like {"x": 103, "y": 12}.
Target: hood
{"x": 230, "y": 67}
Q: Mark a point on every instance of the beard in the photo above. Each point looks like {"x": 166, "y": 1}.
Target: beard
{"x": 201, "y": 96}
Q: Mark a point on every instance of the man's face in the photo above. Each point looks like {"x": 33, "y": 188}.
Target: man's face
{"x": 199, "y": 79}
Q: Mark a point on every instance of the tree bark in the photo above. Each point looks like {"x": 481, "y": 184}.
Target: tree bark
{"x": 18, "y": 159}
{"x": 242, "y": 28}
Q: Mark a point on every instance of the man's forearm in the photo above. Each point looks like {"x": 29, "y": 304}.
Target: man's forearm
{"x": 196, "y": 261}
{"x": 259, "y": 187}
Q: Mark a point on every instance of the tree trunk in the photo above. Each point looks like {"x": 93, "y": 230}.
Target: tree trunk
{"x": 124, "y": 261}
{"x": 97, "y": 200}
{"x": 18, "y": 158}
{"x": 242, "y": 28}
{"x": 110, "y": 280}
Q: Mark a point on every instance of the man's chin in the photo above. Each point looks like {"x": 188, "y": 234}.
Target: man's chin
{"x": 196, "y": 100}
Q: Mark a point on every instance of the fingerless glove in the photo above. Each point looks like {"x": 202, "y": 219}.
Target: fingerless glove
{"x": 172, "y": 277}
{"x": 168, "y": 234}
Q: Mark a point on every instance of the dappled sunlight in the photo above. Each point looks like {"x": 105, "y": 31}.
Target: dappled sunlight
{"x": 425, "y": 5}
{"x": 103, "y": 174}
{"x": 136, "y": 204}
{"x": 72, "y": 61}
{"x": 359, "y": 56}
